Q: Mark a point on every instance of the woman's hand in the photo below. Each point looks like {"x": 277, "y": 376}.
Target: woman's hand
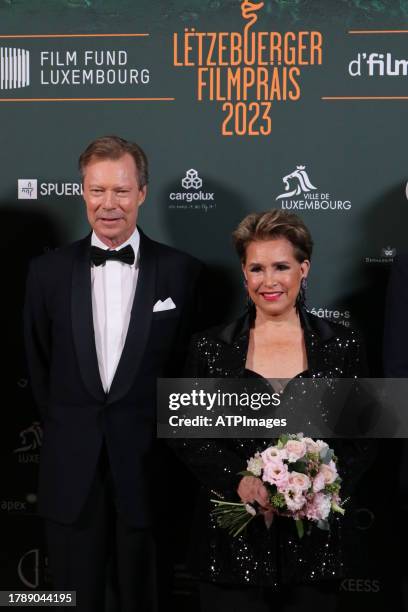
{"x": 251, "y": 489}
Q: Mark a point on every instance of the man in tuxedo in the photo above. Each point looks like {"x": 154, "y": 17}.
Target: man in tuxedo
{"x": 104, "y": 317}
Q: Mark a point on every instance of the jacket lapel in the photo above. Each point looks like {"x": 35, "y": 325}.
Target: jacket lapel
{"x": 232, "y": 359}
{"x": 82, "y": 321}
{"x": 317, "y": 332}
{"x": 139, "y": 324}
{"x": 236, "y": 338}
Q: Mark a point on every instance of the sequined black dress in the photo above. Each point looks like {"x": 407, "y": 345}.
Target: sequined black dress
{"x": 276, "y": 556}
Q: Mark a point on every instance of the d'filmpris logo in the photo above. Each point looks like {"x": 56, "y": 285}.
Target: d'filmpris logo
{"x": 301, "y": 194}
{"x": 248, "y": 70}
{"x": 14, "y": 68}
{"x": 378, "y": 65}
{"x": 193, "y": 197}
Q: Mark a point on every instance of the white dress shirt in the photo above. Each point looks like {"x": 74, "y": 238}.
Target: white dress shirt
{"x": 113, "y": 290}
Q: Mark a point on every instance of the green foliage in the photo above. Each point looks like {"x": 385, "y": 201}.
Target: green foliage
{"x": 278, "y": 500}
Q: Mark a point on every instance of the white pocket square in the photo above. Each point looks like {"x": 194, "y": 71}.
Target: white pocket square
{"x": 168, "y": 304}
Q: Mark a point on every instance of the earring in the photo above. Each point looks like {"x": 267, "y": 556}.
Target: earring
{"x": 249, "y": 303}
{"x": 301, "y": 298}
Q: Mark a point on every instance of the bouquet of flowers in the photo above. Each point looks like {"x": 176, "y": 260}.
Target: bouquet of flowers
{"x": 296, "y": 477}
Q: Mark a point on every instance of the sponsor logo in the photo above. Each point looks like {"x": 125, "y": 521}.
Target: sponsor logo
{"x": 14, "y": 68}
{"x": 193, "y": 197}
{"x": 30, "y": 440}
{"x": 28, "y": 189}
{"x": 247, "y": 71}
{"x": 15, "y": 506}
{"x": 301, "y": 194}
{"x": 338, "y": 316}
{"x": 52, "y": 68}
{"x": 387, "y": 256}
{"x": 378, "y": 65}
{"x": 389, "y": 252}
{"x": 301, "y": 180}
{"x": 360, "y": 585}
{"x": 192, "y": 180}
{"x": 32, "y": 568}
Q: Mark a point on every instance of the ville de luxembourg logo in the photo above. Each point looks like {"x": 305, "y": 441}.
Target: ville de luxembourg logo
{"x": 301, "y": 194}
{"x": 14, "y": 68}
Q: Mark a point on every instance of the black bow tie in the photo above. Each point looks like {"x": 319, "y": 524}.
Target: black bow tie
{"x": 101, "y": 256}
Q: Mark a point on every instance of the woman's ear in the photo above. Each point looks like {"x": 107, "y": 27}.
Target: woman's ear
{"x": 305, "y": 267}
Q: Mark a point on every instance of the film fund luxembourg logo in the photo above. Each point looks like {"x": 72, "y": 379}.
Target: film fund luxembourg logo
{"x": 193, "y": 197}
{"x": 301, "y": 194}
{"x": 14, "y": 68}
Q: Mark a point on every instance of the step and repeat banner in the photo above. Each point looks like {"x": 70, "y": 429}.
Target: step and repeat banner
{"x": 240, "y": 107}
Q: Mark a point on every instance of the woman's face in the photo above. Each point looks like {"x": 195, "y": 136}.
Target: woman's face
{"x": 273, "y": 275}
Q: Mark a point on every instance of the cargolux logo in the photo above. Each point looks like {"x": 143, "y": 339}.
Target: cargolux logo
{"x": 192, "y": 180}
{"x": 300, "y": 179}
{"x": 193, "y": 197}
{"x": 14, "y": 68}
{"x": 27, "y": 189}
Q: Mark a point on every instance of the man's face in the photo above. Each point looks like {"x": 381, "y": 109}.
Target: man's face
{"x": 112, "y": 196}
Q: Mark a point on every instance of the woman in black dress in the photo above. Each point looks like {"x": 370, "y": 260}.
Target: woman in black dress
{"x": 275, "y": 339}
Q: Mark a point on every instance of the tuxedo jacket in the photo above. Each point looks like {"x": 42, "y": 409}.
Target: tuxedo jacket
{"x": 78, "y": 416}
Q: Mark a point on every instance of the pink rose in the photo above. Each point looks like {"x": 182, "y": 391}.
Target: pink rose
{"x": 299, "y": 481}
{"x": 319, "y": 482}
{"x": 252, "y": 489}
{"x": 276, "y": 473}
{"x": 295, "y": 449}
{"x": 329, "y": 472}
{"x": 294, "y": 499}
{"x": 273, "y": 453}
{"x": 318, "y": 508}
{"x": 311, "y": 446}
